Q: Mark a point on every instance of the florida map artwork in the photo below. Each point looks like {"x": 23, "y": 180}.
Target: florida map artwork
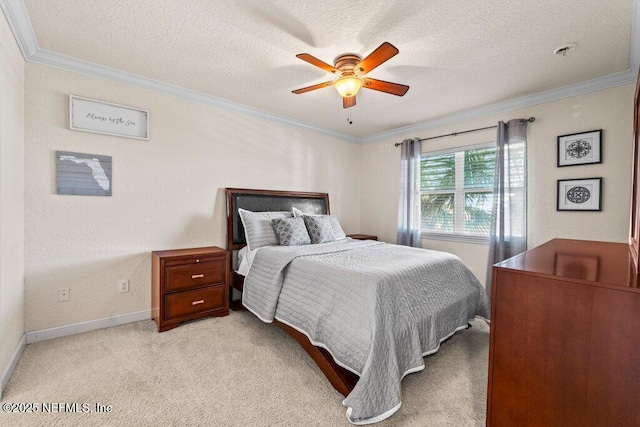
{"x": 83, "y": 174}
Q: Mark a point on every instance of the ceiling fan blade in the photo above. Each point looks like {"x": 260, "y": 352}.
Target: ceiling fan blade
{"x": 383, "y": 53}
{"x": 310, "y": 88}
{"x": 349, "y": 102}
{"x": 387, "y": 87}
{"x": 318, "y": 63}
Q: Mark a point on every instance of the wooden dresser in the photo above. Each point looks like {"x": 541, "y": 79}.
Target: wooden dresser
{"x": 188, "y": 284}
{"x": 564, "y": 337}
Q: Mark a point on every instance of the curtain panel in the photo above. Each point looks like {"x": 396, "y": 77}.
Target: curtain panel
{"x": 508, "y": 235}
{"x": 409, "y": 204}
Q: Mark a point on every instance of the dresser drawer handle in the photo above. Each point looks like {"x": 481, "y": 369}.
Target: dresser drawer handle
{"x": 197, "y": 276}
{"x": 200, "y": 301}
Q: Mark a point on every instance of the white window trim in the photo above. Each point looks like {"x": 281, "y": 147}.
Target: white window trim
{"x": 460, "y": 148}
{"x": 458, "y": 237}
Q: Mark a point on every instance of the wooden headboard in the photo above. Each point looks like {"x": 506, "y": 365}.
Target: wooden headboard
{"x": 263, "y": 201}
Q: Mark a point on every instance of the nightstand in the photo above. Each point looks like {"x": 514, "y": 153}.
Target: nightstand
{"x": 363, "y": 236}
{"x": 187, "y": 284}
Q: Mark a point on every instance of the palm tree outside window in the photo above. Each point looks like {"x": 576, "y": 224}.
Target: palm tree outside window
{"x": 457, "y": 193}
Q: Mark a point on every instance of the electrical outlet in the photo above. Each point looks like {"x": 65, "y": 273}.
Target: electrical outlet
{"x": 123, "y": 285}
{"x": 63, "y": 294}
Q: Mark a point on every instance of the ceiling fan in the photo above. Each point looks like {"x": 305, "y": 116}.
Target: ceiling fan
{"x": 351, "y": 68}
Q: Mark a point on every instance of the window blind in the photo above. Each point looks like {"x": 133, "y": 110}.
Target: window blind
{"x": 457, "y": 191}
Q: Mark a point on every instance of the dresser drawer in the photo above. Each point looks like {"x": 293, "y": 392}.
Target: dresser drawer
{"x": 192, "y": 275}
{"x": 182, "y": 304}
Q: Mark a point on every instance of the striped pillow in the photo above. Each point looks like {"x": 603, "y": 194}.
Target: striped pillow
{"x": 258, "y": 230}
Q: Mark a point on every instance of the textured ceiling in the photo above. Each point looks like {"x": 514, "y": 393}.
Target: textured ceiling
{"x": 455, "y": 55}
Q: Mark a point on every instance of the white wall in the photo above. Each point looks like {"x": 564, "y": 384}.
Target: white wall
{"x": 609, "y": 109}
{"x": 167, "y": 192}
{"x": 12, "y": 67}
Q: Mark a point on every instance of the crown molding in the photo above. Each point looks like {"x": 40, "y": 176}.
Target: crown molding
{"x": 593, "y": 85}
{"x": 16, "y": 13}
{"x": 57, "y": 60}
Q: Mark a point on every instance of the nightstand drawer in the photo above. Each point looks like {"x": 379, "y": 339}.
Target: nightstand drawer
{"x": 182, "y": 304}
{"x": 179, "y": 277}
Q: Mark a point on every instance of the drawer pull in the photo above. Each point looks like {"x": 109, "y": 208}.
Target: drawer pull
{"x": 197, "y": 260}
{"x": 200, "y": 301}
{"x": 197, "y": 276}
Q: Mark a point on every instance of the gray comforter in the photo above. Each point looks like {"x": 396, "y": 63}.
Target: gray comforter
{"x": 378, "y": 309}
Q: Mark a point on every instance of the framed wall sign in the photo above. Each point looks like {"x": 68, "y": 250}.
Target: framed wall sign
{"x": 89, "y": 115}
{"x": 580, "y": 148}
{"x": 580, "y": 194}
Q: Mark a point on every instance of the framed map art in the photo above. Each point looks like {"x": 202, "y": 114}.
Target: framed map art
{"x": 580, "y": 148}
{"x": 82, "y": 174}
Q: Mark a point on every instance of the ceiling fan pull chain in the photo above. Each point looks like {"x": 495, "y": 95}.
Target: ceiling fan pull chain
{"x": 349, "y": 117}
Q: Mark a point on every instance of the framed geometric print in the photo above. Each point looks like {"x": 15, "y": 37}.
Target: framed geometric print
{"x": 580, "y": 194}
{"x": 580, "y": 148}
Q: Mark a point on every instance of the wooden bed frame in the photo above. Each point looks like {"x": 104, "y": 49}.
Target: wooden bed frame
{"x": 342, "y": 379}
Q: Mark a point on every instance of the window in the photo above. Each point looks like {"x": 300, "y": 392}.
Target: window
{"x": 457, "y": 193}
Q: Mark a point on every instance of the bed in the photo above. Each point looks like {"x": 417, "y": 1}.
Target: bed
{"x": 367, "y": 312}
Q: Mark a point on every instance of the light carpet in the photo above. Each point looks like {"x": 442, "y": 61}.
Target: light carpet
{"x": 228, "y": 371}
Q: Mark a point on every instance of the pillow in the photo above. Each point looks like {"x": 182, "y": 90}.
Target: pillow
{"x": 338, "y": 232}
{"x": 291, "y": 231}
{"x": 243, "y": 263}
{"x": 245, "y": 259}
{"x": 319, "y": 228}
{"x": 298, "y": 212}
{"x": 257, "y": 227}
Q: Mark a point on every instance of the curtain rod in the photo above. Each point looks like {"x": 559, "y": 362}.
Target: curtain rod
{"x": 530, "y": 119}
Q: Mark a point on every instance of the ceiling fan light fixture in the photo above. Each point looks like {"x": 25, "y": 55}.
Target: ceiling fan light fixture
{"x": 348, "y": 86}
{"x": 352, "y": 70}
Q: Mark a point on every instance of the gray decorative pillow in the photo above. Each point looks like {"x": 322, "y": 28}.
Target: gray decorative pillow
{"x": 338, "y": 232}
{"x": 258, "y": 230}
{"x": 319, "y": 228}
{"x": 291, "y": 231}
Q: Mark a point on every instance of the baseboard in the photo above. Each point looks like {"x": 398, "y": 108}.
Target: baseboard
{"x": 91, "y": 325}
{"x": 6, "y": 375}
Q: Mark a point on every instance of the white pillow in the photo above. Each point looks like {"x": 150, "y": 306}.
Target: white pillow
{"x": 258, "y": 230}
{"x": 245, "y": 259}
{"x": 298, "y": 212}
{"x": 243, "y": 265}
{"x": 338, "y": 232}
